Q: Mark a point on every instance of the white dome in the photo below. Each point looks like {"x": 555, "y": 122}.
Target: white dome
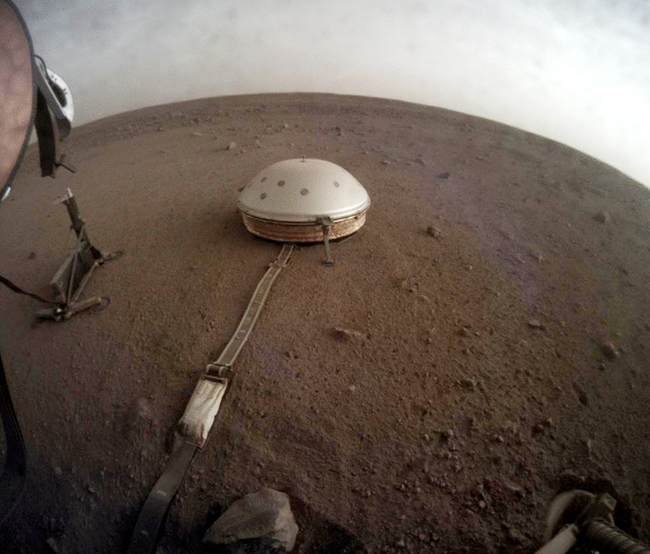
{"x": 303, "y": 190}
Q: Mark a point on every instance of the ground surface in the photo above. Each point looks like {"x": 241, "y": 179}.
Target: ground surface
{"x": 473, "y": 383}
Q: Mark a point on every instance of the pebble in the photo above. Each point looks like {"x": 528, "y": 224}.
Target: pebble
{"x": 231, "y": 146}
{"x": 469, "y": 383}
{"x": 610, "y": 351}
{"x": 433, "y": 231}
{"x": 346, "y": 334}
{"x": 603, "y": 217}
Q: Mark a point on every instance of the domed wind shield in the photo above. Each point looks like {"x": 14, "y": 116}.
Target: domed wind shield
{"x": 293, "y": 200}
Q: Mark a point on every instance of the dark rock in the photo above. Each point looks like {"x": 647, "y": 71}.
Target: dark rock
{"x": 610, "y": 351}
{"x": 602, "y": 217}
{"x": 433, "y": 231}
{"x": 260, "y": 523}
{"x": 443, "y": 175}
{"x": 468, "y": 383}
{"x": 54, "y": 546}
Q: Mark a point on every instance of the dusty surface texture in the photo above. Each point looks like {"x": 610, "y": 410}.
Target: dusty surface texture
{"x": 472, "y": 383}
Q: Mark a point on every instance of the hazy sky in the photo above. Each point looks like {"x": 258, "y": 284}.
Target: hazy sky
{"x": 577, "y": 71}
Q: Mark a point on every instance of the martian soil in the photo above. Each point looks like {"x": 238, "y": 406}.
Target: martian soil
{"x": 481, "y": 343}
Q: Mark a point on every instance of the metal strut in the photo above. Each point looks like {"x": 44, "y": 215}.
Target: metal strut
{"x": 198, "y": 418}
{"x": 72, "y": 277}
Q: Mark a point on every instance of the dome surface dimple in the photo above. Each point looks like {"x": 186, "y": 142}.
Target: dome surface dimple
{"x": 303, "y": 191}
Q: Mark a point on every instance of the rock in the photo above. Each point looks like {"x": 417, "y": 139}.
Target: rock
{"x": 513, "y": 488}
{"x": 31, "y": 256}
{"x": 535, "y": 324}
{"x": 385, "y": 162}
{"x": 443, "y": 175}
{"x": 542, "y": 426}
{"x": 51, "y": 542}
{"x": 468, "y": 383}
{"x": 58, "y": 471}
{"x": 346, "y": 334}
{"x": 463, "y": 332}
{"x": 448, "y": 434}
{"x": 515, "y": 536}
{"x": 231, "y": 146}
{"x": 144, "y": 409}
{"x": 603, "y": 217}
{"x": 610, "y": 351}
{"x": 583, "y": 397}
{"x": 258, "y": 523}
{"x": 433, "y": 231}
{"x": 196, "y": 134}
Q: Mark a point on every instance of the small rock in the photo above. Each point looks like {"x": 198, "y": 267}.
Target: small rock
{"x": 31, "y": 256}
{"x": 516, "y": 536}
{"x": 463, "y": 332}
{"x": 602, "y": 217}
{"x": 610, "y": 351}
{"x": 143, "y": 409}
{"x": 286, "y": 125}
{"x": 468, "y": 383}
{"x": 448, "y": 434}
{"x": 51, "y": 542}
{"x": 583, "y": 398}
{"x": 433, "y": 231}
{"x": 58, "y": 471}
{"x": 443, "y": 175}
{"x": 535, "y": 324}
{"x": 420, "y": 161}
{"x": 346, "y": 334}
{"x": 385, "y": 162}
{"x": 352, "y": 388}
{"x": 264, "y": 517}
{"x": 197, "y": 134}
{"x": 231, "y": 146}
{"x": 516, "y": 489}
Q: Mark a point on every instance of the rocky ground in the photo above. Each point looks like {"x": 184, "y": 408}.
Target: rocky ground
{"x": 480, "y": 344}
